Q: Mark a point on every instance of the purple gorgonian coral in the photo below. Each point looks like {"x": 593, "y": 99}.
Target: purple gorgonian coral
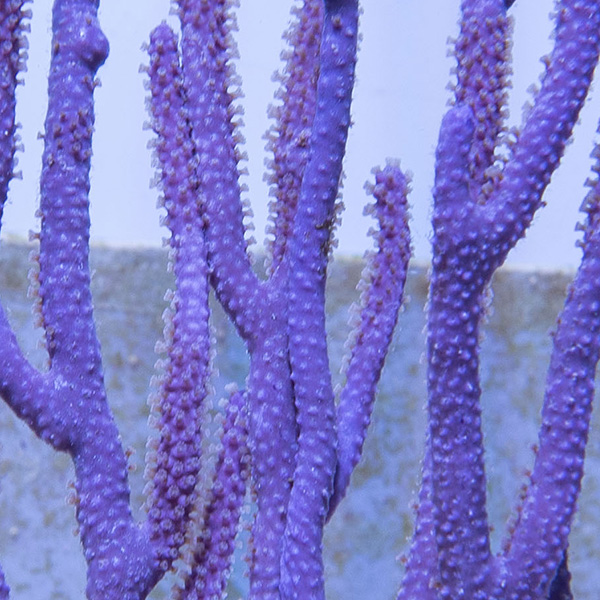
{"x": 287, "y": 437}
{"x": 488, "y": 184}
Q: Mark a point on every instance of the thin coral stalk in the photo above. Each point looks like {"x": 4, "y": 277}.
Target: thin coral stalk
{"x": 383, "y": 283}
{"x": 12, "y": 57}
{"x": 288, "y": 138}
{"x": 174, "y": 462}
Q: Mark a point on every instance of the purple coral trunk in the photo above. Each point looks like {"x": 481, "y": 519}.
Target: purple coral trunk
{"x": 482, "y": 207}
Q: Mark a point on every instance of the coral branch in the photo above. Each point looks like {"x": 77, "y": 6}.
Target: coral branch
{"x": 549, "y": 123}
{"x": 12, "y": 57}
{"x": 548, "y": 508}
{"x": 273, "y": 444}
{"x": 207, "y": 49}
{"x": 212, "y": 561}
{"x": 175, "y": 464}
{"x": 308, "y": 245}
{"x": 422, "y": 579}
{"x": 458, "y": 478}
{"x": 119, "y": 560}
{"x": 482, "y": 52}
{"x": 29, "y": 393}
{"x": 383, "y": 283}
{"x": 289, "y": 136}
{"x": 79, "y": 48}
{"x": 471, "y": 239}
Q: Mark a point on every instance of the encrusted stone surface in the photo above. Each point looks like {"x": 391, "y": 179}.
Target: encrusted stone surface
{"x": 41, "y": 556}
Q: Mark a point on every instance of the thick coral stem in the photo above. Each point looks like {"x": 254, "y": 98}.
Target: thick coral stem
{"x": 78, "y": 49}
{"x": 308, "y": 250}
{"x": 273, "y": 447}
{"x": 121, "y": 561}
{"x": 458, "y": 476}
{"x": 117, "y": 553}
{"x": 455, "y": 440}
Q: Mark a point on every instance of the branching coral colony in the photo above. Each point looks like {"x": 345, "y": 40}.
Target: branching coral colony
{"x": 286, "y": 436}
